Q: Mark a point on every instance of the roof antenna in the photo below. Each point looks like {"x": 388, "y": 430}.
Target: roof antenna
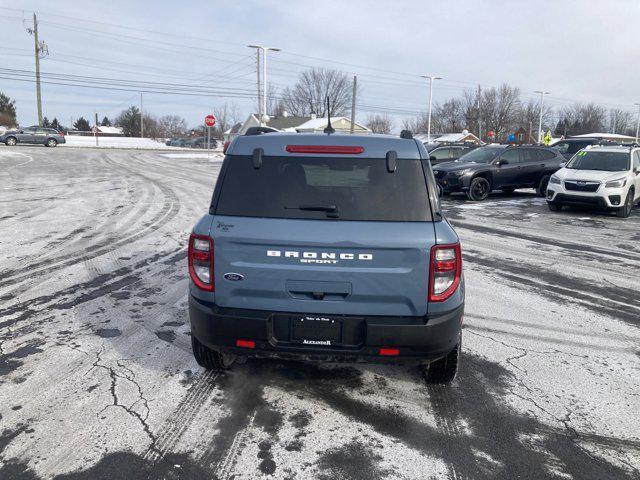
{"x": 329, "y": 128}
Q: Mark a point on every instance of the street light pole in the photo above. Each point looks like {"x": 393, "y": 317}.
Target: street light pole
{"x": 638, "y": 123}
{"x": 542, "y": 94}
{"x": 431, "y": 79}
{"x": 264, "y": 78}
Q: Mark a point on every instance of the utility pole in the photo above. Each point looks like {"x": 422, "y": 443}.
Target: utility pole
{"x": 431, "y": 79}
{"x": 264, "y": 78}
{"x": 479, "y": 119}
{"x": 638, "y": 123}
{"x": 141, "y": 118}
{"x": 40, "y": 49}
{"x": 353, "y": 104}
{"x": 96, "y": 129}
{"x": 542, "y": 94}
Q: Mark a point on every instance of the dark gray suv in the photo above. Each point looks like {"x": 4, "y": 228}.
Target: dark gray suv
{"x": 326, "y": 247}
{"x": 48, "y": 137}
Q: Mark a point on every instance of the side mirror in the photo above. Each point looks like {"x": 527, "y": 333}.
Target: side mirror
{"x": 21, "y": 131}
{"x": 432, "y": 158}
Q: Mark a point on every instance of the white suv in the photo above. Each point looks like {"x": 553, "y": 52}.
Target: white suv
{"x": 607, "y": 177}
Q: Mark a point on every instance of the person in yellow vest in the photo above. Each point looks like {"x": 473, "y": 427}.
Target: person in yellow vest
{"x": 547, "y": 138}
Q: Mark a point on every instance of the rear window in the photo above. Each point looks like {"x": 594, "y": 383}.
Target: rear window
{"x": 310, "y": 188}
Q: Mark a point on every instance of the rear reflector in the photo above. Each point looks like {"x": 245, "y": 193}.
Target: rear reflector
{"x": 245, "y": 343}
{"x": 390, "y": 352}
{"x": 333, "y": 149}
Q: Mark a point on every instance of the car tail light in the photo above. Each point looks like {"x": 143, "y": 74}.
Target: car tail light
{"x": 61, "y": 133}
{"x": 201, "y": 262}
{"x": 245, "y": 344}
{"x": 225, "y": 146}
{"x": 335, "y": 149}
{"x": 445, "y": 270}
{"x": 389, "y": 352}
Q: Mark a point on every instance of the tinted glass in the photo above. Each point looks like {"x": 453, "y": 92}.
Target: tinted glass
{"x": 481, "y": 155}
{"x": 359, "y": 189}
{"x": 636, "y": 161}
{"x": 511, "y": 156}
{"x": 546, "y": 154}
{"x": 530, "y": 155}
{"x": 598, "y": 160}
{"x": 440, "y": 153}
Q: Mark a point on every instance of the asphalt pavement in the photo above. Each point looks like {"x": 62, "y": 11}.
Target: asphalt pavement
{"x": 97, "y": 380}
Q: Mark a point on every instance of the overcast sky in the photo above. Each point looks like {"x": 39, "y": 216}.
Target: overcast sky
{"x": 577, "y": 50}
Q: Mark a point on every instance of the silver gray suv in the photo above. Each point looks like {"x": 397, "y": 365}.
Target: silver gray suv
{"x": 49, "y": 137}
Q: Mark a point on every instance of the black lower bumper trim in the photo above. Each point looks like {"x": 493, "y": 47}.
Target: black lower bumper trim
{"x": 415, "y": 337}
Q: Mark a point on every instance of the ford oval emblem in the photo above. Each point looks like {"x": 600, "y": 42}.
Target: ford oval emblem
{"x": 233, "y": 277}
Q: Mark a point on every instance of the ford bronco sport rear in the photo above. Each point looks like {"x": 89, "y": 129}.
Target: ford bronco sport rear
{"x": 326, "y": 247}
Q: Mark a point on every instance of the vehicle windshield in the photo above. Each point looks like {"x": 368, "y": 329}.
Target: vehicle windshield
{"x": 481, "y": 155}
{"x": 598, "y": 160}
{"x": 325, "y": 189}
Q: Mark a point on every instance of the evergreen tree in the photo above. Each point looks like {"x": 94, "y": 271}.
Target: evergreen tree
{"x": 55, "y": 124}
{"x": 129, "y": 121}
{"x": 46, "y": 123}
{"x": 7, "y": 111}
{"x": 82, "y": 125}
{"x": 105, "y": 122}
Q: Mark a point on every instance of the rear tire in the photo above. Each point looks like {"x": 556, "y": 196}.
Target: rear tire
{"x": 444, "y": 370}
{"x": 625, "y": 211}
{"x": 542, "y": 186}
{"x": 52, "y": 142}
{"x": 11, "y": 142}
{"x": 210, "y": 359}
{"x": 479, "y": 189}
{"x": 555, "y": 207}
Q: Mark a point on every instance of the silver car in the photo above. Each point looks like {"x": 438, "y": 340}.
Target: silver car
{"x": 48, "y": 137}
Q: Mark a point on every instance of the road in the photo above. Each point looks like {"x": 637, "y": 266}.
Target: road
{"x": 97, "y": 379}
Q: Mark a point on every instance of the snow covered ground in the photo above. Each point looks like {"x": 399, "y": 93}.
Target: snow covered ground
{"x": 120, "y": 142}
{"x": 97, "y": 379}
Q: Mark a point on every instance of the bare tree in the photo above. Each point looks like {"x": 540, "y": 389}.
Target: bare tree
{"x": 449, "y": 116}
{"x": 379, "y": 123}
{"x": 529, "y": 116}
{"x": 172, "y": 126}
{"x": 620, "y": 122}
{"x": 581, "y": 118}
{"x": 417, "y": 124}
{"x": 310, "y": 92}
{"x": 227, "y": 115}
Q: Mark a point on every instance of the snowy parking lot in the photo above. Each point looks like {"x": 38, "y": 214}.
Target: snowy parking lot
{"x": 97, "y": 379}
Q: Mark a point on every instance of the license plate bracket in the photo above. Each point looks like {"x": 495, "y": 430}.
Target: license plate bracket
{"x": 316, "y": 330}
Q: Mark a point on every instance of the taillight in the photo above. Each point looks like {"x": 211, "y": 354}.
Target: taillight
{"x": 332, "y": 149}
{"x": 61, "y": 133}
{"x": 201, "y": 262}
{"x": 225, "y": 146}
{"x": 445, "y": 270}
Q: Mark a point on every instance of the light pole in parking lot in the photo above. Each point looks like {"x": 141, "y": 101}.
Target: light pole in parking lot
{"x": 638, "y": 123}
{"x": 542, "y": 94}
{"x": 264, "y": 78}
{"x": 431, "y": 79}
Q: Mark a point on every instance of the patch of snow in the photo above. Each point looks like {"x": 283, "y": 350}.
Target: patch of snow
{"x": 120, "y": 142}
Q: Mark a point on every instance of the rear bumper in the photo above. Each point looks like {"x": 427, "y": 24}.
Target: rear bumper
{"x": 417, "y": 338}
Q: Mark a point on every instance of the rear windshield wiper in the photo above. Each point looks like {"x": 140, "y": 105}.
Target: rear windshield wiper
{"x": 331, "y": 210}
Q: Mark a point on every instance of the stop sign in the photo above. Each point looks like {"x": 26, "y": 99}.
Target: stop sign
{"x": 209, "y": 120}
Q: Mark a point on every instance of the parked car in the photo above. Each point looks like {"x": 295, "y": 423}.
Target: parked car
{"x": 200, "y": 142}
{"x": 352, "y": 261}
{"x": 570, "y": 146}
{"x": 499, "y": 167}
{"x": 48, "y": 137}
{"x": 449, "y": 153}
{"x": 606, "y": 177}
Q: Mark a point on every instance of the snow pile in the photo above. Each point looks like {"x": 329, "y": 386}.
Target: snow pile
{"x": 116, "y": 142}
